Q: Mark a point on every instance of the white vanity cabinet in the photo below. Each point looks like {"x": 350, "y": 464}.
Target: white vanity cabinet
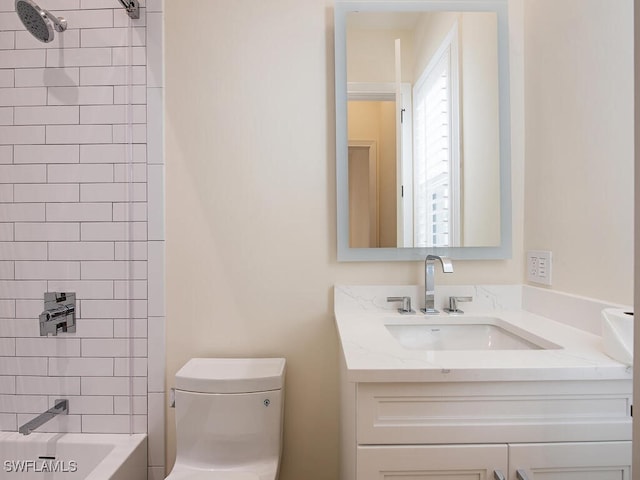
{"x": 514, "y": 430}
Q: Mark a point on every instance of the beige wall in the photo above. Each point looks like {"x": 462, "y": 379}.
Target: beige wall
{"x": 579, "y": 143}
{"x": 250, "y": 200}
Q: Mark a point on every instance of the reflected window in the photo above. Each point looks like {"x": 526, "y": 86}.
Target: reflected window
{"x": 436, "y": 149}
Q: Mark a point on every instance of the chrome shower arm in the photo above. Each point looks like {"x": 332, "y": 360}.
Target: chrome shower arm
{"x": 132, "y": 7}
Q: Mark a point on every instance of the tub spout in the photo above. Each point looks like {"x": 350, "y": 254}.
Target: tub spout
{"x": 61, "y": 406}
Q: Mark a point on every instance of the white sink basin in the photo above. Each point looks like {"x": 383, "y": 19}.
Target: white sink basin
{"x": 469, "y": 333}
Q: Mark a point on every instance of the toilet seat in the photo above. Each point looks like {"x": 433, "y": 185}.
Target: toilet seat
{"x": 212, "y": 475}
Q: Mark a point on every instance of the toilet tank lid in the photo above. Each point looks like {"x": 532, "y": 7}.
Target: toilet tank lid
{"x": 231, "y": 375}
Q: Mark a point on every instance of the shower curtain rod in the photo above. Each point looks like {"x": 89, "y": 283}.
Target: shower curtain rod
{"x": 132, "y": 7}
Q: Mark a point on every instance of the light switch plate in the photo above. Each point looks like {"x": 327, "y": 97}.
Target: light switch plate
{"x": 539, "y": 266}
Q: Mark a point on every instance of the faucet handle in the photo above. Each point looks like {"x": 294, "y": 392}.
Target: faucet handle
{"x": 406, "y": 304}
{"x": 453, "y": 304}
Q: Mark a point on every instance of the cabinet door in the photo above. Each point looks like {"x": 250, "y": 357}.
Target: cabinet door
{"x": 570, "y": 461}
{"x": 431, "y": 462}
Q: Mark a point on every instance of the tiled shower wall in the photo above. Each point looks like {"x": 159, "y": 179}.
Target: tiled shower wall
{"x": 70, "y": 220}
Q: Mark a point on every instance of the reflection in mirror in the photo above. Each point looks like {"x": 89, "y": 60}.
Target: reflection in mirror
{"x": 427, "y": 147}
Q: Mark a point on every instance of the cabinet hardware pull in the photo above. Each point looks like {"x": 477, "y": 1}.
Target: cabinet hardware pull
{"x": 521, "y": 475}
{"x": 498, "y": 475}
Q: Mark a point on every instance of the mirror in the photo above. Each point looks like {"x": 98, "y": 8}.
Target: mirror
{"x": 422, "y": 119}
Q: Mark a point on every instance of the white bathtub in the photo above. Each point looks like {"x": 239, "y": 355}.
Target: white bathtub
{"x": 73, "y": 456}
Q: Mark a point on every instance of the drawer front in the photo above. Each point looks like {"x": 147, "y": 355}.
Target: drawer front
{"x": 492, "y": 412}
{"x": 444, "y": 462}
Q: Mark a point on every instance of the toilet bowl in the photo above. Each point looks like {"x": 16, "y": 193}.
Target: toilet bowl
{"x": 229, "y": 416}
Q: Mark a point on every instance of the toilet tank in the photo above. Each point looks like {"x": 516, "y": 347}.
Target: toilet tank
{"x": 229, "y": 412}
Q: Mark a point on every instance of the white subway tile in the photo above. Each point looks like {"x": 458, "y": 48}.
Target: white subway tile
{"x": 105, "y": 424}
{"x": 58, "y": 346}
{"x": 94, "y": 328}
{"x": 89, "y": 18}
{"x": 113, "y": 192}
{"x": 156, "y": 276}
{"x": 22, "y": 96}
{"x": 85, "y": 290}
{"x": 130, "y": 289}
{"x": 7, "y": 309}
{"x": 112, "y": 153}
{"x": 47, "y": 154}
{"x": 7, "y": 42}
{"x": 114, "y": 308}
{"x": 7, "y": 270}
{"x": 63, "y": 5}
{"x": 115, "y": 270}
{"x": 117, "y": 75}
{"x": 46, "y": 193}
{"x": 156, "y": 195}
{"x": 23, "y": 250}
{"x": 7, "y": 384}
{"x": 121, "y": 56}
{"x": 81, "y": 173}
{"x": 47, "y": 115}
{"x": 9, "y": 21}
{"x": 58, "y": 134}
{"x": 156, "y": 353}
{"x": 156, "y": 449}
{"x": 30, "y": 232}
{"x": 6, "y": 233}
{"x": 130, "y": 327}
{"x": 21, "y": 58}
{"x": 137, "y": 95}
{"x": 78, "y": 212}
{"x": 26, "y": 41}
{"x": 122, "y": 405}
{"x": 131, "y": 251}
{"x": 21, "y": 135}
{"x": 48, "y": 77}
{"x": 30, "y": 309}
{"x": 6, "y": 153}
{"x": 60, "y": 424}
{"x": 105, "y": 386}
{"x": 81, "y": 251}
{"x": 155, "y": 54}
{"x": 122, "y": 133}
{"x": 120, "y": 20}
{"x": 23, "y": 366}
{"x": 23, "y": 173}
{"x": 135, "y": 367}
{"x": 130, "y": 211}
{"x": 8, "y": 421}
{"x": 21, "y": 212}
{"x": 81, "y": 367}
{"x": 103, "y": 114}
{"x": 74, "y": 57}
{"x": 155, "y": 6}
{"x": 130, "y": 172}
{"x": 7, "y": 347}
{"x": 105, "y": 231}
{"x": 111, "y": 37}
{"x": 19, "y": 327}
{"x": 6, "y": 116}
{"x": 23, "y": 403}
{"x": 26, "y": 385}
{"x": 88, "y": 404}
{"x": 47, "y": 270}
{"x": 6, "y": 193}
{"x": 80, "y": 96}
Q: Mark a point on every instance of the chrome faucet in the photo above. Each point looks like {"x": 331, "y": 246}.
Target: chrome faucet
{"x": 60, "y": 407}
{"x": 429, "y": 281}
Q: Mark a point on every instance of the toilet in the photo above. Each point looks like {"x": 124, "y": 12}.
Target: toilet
{"x": 229, "y": 416}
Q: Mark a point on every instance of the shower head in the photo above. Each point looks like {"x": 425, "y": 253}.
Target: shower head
{"x": 38, "y": 21}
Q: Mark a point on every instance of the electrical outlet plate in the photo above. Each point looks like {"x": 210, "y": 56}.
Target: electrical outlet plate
{"x": 539, "y": 266}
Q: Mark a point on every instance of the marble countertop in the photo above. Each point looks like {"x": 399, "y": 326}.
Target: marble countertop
{"x": 371, "y": 354}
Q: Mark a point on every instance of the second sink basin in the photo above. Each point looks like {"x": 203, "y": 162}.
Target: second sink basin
{"x": 479, "y": 333}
